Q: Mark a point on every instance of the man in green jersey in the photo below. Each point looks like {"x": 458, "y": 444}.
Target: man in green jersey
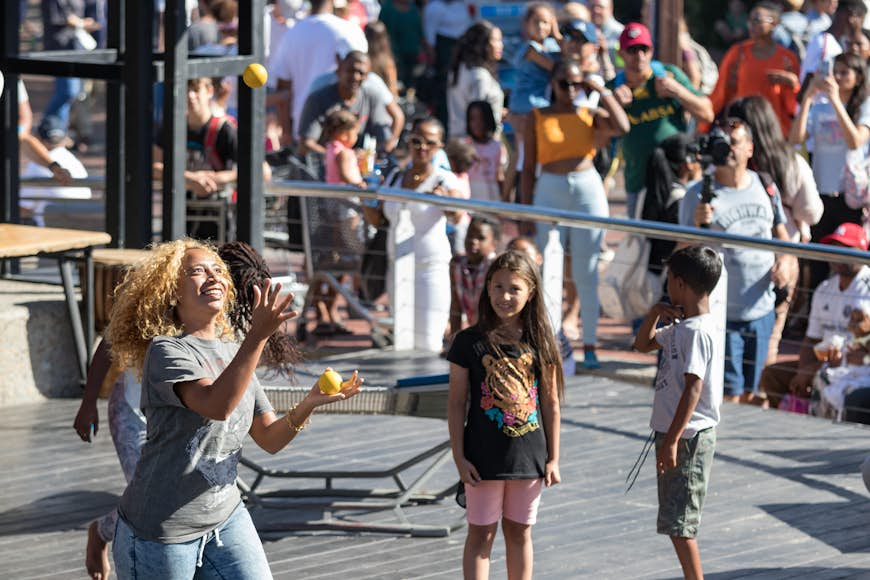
{"x": 656, "y": 97}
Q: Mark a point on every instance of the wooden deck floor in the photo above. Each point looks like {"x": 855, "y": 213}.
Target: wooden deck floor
{"x": 786, "y": 499}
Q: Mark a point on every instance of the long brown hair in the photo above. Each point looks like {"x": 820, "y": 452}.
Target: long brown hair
{"x": 537, "y": 332}
{"x": 249, "y": 269}
{"x": 859, "y": 93}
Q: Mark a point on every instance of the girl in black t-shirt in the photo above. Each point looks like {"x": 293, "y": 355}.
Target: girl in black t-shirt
{"x": 506, "y": 370}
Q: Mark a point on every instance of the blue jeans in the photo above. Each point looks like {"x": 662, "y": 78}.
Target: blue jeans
{"x": 232, "y": 550}
{"x": 65, "y": 91}
{"x": 580, "y": 191}
{"x": 631, "y": 204}
{"x": 746, "y": 344}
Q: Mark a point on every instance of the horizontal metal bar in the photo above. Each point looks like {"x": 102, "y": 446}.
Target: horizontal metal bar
{"x": 66, "y": 68}
{"x": 103, "y": 55}
{"x": 95, "y": 181}
{"x": 95, "y": 201}
{"x": 209, "y": 66}
{"x": 217, "y": 66}
{"x": 658, "y": 230}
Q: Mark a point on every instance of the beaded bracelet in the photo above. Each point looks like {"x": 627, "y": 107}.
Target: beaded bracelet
{"x": 296, "y": 428}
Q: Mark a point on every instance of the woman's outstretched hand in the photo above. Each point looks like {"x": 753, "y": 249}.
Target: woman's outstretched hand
{"x": 270, "y": 310}
{"x": 349, "y": 388}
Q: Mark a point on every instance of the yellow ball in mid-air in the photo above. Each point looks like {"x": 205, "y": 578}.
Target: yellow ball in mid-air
{"x": 255, "y": 75}
{"x": 329, "y": 382}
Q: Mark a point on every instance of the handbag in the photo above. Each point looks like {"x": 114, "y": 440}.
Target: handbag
{"x": 856, "y": 179}
{"x": 628, "y": 289}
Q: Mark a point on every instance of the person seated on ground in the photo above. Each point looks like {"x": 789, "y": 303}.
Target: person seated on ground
{"x": 352, "y": 93}
{"x": 52, "y": 137}
{"x": 212, "y": 144}
{"x": 31, "y": 147}
{"x": 832, "y": 304}
{"x": 844, "y": 384}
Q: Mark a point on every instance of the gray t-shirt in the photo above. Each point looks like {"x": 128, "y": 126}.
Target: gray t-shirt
{"x": 747, "y": 212}
{"x": 184, "y": 484}
{"x": 688, "y": 348}
{"x": 369, "y": 107}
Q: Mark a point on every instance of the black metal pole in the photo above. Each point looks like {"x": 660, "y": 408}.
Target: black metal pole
{"x": 138, "y": 131}
{"x": 252, "y": 111}
{"x": 116, "y": 158}
{"x": 174, "y": 133}
{"x": 9, "y": 147}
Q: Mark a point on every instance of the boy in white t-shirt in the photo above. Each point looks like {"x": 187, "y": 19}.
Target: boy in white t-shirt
{"x": 688, "y": 394}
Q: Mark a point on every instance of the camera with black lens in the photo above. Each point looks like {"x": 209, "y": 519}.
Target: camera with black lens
{"x": 714, "y": 147}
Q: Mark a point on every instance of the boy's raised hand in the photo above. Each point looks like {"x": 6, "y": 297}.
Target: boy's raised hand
{"x": 667, "y": 313}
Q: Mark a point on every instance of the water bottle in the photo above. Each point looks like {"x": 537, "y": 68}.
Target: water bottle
{"x": 373, "y": 180}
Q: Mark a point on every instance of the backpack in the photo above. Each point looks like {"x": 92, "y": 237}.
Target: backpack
{"x": 215, "y": 124}
{"x": 627, "y": 290}
{"x": 709, "y": 69}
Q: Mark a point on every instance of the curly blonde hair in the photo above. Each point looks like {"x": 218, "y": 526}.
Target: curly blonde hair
{"x": 144, "y": 302}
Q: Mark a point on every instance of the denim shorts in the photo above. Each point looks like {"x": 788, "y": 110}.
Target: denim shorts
{"x": 232, "y": 550}
{"x": 682, "y": 489}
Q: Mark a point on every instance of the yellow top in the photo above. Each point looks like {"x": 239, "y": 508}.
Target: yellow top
{"x": 561, "y": 136}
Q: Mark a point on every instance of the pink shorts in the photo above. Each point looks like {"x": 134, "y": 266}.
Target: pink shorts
{"x": 491, "y": 499}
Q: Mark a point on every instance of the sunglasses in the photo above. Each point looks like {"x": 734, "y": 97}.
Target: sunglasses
{"x": 419, "y": 143}
{"x": 565, "y": 84}
{"x": 637, "y": 49}
{"x": 761, "y": 20}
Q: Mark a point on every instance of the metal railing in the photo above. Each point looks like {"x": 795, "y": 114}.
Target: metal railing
{"x": 527, "y": 213}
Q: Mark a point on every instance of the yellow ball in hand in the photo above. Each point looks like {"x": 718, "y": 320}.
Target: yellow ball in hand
{"x": 329, "y": 382}
{"x": 255, "y": 75}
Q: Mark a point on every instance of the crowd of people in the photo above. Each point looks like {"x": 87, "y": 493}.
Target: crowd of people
{"x": 414, "y": 94}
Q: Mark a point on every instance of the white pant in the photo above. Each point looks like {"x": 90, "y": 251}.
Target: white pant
{"x": 431, "y": 304}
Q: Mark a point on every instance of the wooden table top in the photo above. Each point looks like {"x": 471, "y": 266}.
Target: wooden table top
{"x": 18, "y": 241}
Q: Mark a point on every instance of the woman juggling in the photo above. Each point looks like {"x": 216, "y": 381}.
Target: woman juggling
{"x": 563, "y": 138}
{"x": 181, "y": 514}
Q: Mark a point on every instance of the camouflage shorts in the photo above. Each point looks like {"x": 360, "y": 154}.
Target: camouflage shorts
{"x": 682, "y": 489}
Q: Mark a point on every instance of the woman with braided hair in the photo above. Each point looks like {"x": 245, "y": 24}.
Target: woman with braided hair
{"x": 181, "y": 298}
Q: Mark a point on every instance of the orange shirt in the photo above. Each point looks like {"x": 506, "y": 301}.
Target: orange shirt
{"x": 741, "y": 74}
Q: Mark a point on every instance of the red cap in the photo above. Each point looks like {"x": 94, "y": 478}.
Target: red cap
{"x": 848, "y": 234}
{"x": 633, "y": 34}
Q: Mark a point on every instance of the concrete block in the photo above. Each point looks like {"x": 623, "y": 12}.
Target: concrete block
{"x": 37, "y": 354}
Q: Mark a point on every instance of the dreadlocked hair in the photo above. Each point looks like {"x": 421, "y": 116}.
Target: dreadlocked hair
{"x": 144, "y": 303}
{"x": 249, "y": 269}
{"x": 537, "y": 333}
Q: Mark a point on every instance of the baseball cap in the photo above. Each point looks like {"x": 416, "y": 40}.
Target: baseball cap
{"x": 634, "y": 34}
{"x": 575, "y": 28}
{"x": 848, "y": 234}
{"x": 52, "y": 128}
